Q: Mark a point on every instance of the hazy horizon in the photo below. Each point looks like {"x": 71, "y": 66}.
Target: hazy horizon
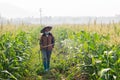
{"x": 73, "y": 8}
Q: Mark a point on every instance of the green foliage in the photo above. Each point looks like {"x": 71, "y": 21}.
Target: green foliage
{"x": 14, "y": 55}
{"x": 92, "y": 52}
{"x": 76, "y": 55}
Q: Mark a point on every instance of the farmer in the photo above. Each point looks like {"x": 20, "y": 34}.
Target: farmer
{"x": 46, "y": 46}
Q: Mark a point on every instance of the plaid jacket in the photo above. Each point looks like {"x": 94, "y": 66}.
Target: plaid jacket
{"x": 47, "y": 40}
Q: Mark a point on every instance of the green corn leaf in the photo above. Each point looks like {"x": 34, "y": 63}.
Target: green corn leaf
{"x": 11, "y": 75}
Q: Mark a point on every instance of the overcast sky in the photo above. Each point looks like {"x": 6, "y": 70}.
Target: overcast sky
{"x": 75, "y": 8}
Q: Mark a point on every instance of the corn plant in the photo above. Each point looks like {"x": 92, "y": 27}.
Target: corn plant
{"x": 97, "y": 59}
{"x": 14, "y": 55}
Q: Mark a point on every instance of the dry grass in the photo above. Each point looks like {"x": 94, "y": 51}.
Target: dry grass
{"x": 13, "y": 28}
{"x": 112, "y": 29}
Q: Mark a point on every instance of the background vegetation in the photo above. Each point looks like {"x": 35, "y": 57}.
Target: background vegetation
{"x": 82, "y": 52}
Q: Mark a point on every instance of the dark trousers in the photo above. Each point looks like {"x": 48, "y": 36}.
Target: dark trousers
{"x": 46, "y": 58}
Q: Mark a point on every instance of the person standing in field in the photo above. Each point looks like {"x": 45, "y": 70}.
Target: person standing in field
{"x": 46, "y": 46}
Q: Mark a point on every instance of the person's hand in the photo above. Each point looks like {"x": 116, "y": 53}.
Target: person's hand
{"x": 41, "y": 47}
{"x": 52, "y": 46}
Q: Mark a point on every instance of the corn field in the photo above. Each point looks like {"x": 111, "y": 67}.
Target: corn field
{"x": 81, "y": 52}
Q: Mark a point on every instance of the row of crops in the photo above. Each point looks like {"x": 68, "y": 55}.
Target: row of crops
{"x": 76, "y": 55}
{"x": 90, "y": 54}
{"x": 15, "y": 50}
{"x": 85, "y": 56}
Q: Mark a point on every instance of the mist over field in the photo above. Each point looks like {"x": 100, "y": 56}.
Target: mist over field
{"x": 76, "y": 12}
{"x": 61, "y": 20}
